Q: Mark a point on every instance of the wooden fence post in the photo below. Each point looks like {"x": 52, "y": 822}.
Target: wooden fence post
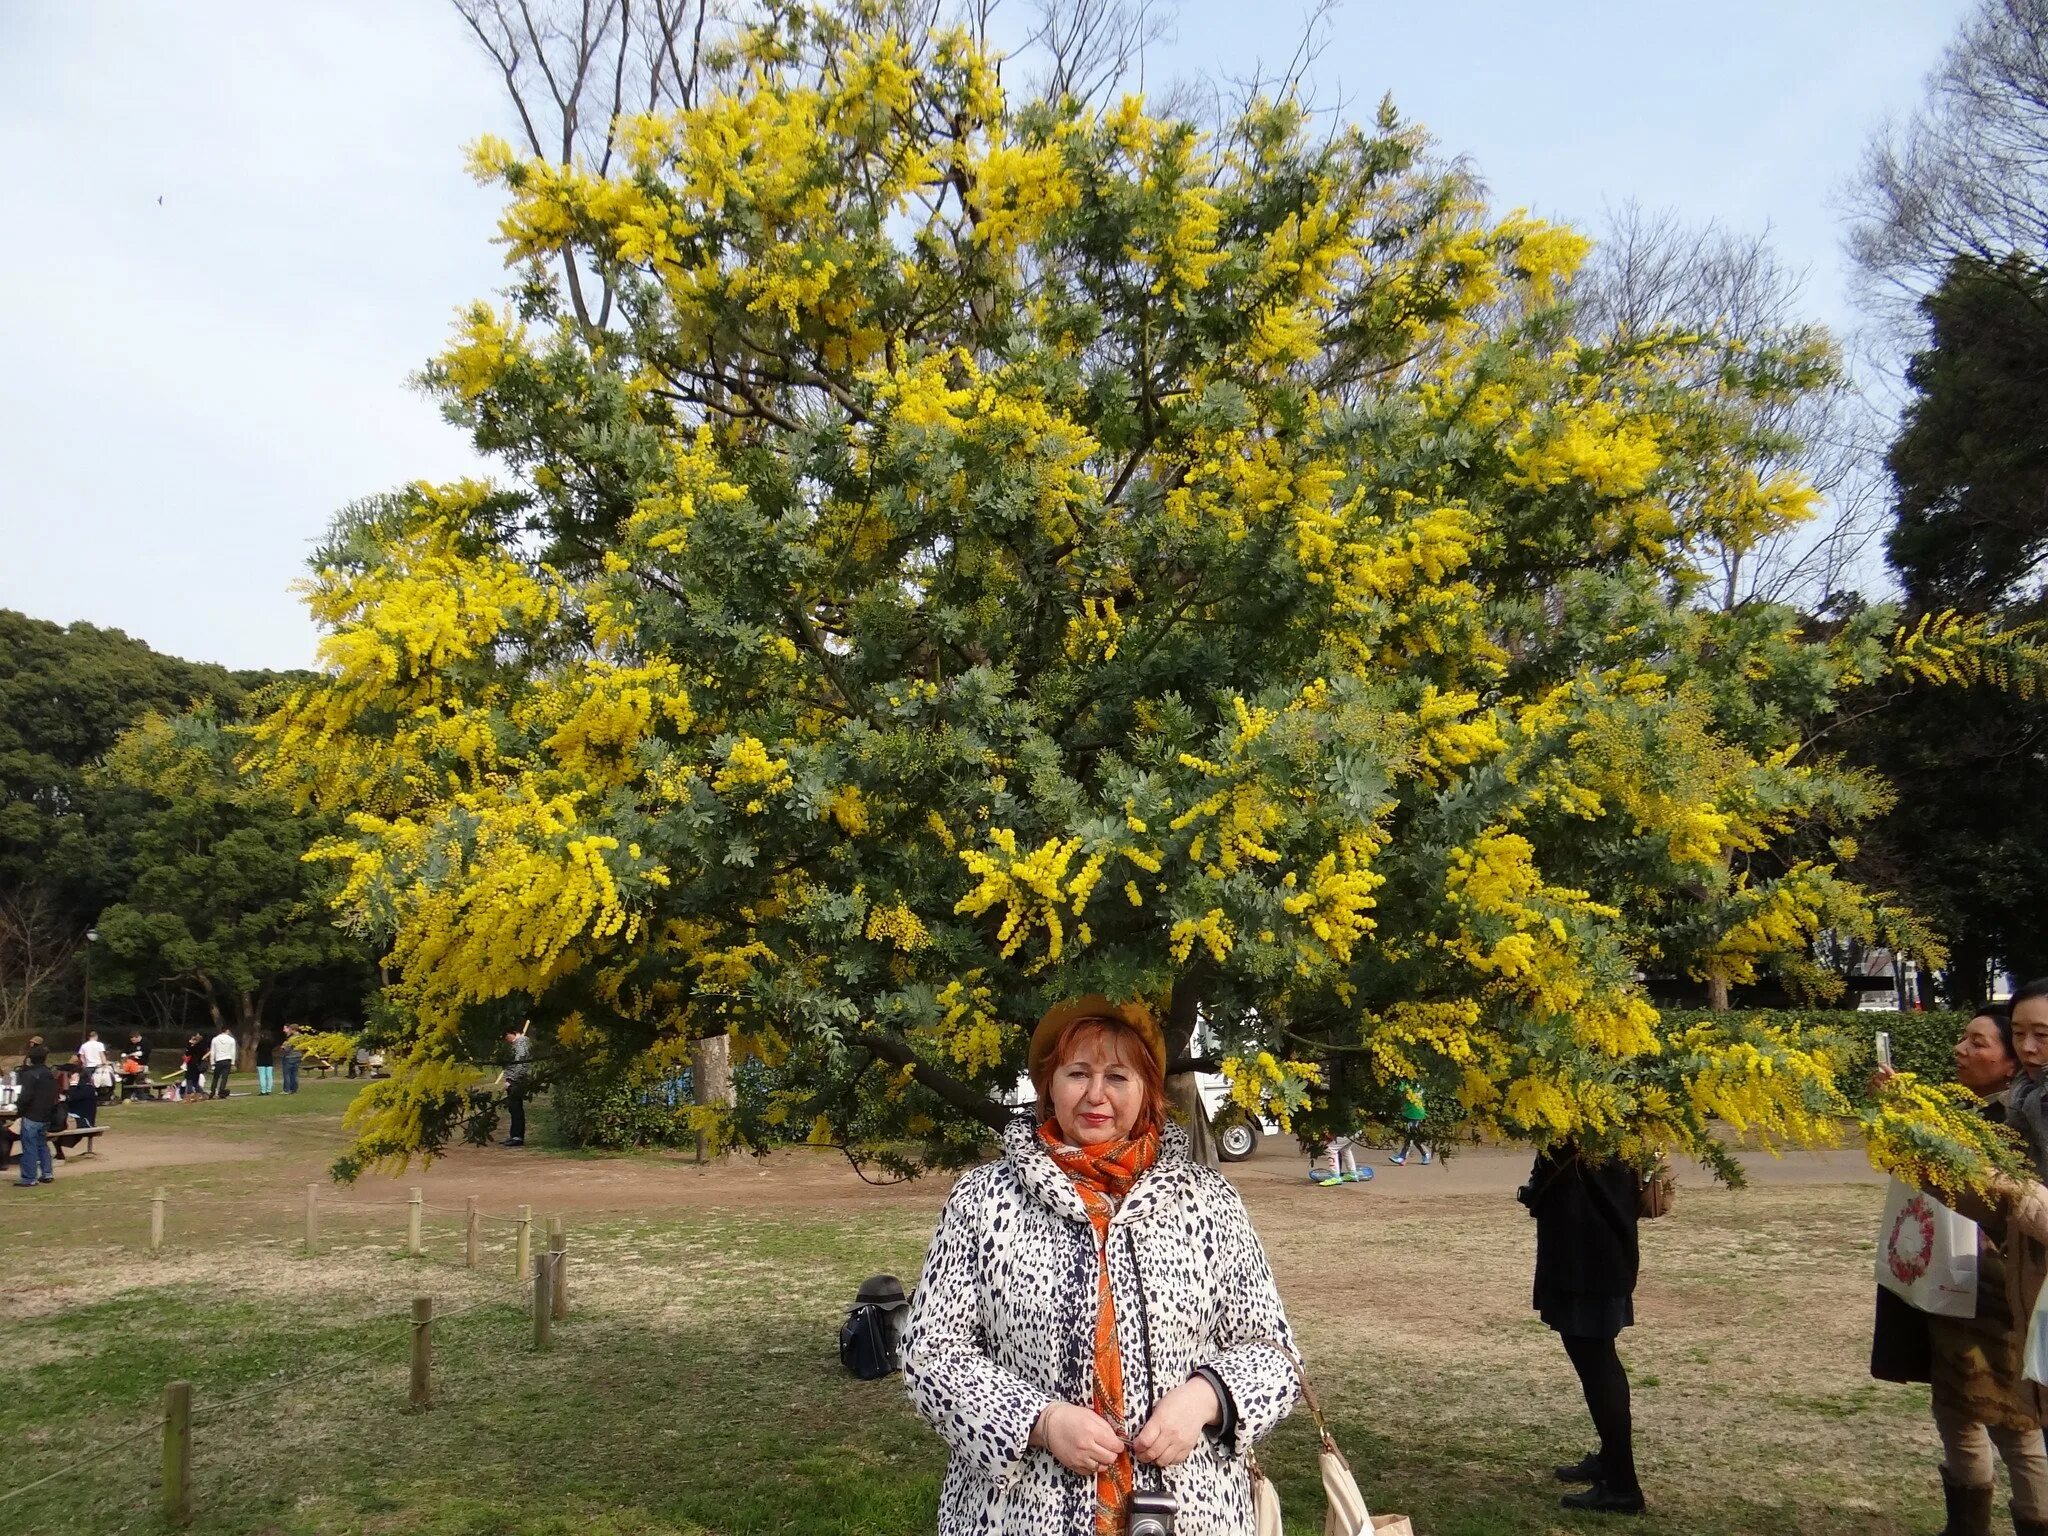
{"x": 312, "y": 1218}
{"x": 177, "y": 1463}
{"x": 524, "y": 1250}
{"x": 156, "y": 1221}
{"x": 558, "y": 1267}
{"x": 421, "y": 1392}
{"x": 412, "y": 1227}
{"x": 474, "y": 1237}
{"x": 543, "y": 1301}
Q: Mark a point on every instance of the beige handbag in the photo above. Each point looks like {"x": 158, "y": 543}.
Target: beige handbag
{"x": 1344, "y": 1511}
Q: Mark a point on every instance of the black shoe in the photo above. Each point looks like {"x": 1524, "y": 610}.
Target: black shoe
{"x": 1603, "y": 1500}
{"x": 515, "y": 1141}
{"x": 1583, "y": 1471}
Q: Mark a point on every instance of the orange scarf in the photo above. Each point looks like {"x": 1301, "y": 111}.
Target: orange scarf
{"x": 1102, "y": 1176}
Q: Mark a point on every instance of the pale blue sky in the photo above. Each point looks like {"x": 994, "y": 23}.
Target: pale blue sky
{"x": 190, "y": 387}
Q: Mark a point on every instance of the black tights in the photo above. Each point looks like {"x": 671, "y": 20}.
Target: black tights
{"x": 1605, "y": 1382}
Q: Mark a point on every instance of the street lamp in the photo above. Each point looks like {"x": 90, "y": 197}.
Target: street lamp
{"x": 92, "y": 937}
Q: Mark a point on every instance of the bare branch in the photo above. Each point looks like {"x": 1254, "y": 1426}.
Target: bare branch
{"x": 1653, "y": 272}
{"x": 1966, "y": 176}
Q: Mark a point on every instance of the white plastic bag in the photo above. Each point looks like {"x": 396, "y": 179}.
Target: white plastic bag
{"x": 1927, "y": 1254}
{"x": 2035, "y": 1367}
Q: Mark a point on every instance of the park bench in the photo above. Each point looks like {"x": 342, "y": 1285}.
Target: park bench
{"x": 64, "y": 1142}
{"x": 81, "y": 1136}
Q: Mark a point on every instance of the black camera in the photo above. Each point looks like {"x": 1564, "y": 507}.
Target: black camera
{"x": 1153, "y": 1514}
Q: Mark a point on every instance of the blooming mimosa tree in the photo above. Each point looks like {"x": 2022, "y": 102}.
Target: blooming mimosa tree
{"x": 993, "y": 550}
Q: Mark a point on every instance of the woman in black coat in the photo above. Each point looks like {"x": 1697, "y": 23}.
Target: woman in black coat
{"x": 1586, "y": 1263}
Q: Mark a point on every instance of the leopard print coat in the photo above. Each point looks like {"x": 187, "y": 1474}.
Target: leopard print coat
{"x": 1003, "y": 1319}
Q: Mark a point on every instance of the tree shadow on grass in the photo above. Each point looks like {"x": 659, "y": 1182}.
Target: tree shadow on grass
{"x": 741, "y": 1426}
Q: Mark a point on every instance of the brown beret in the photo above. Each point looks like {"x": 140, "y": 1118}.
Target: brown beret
{"x": 1135, "y": 1016}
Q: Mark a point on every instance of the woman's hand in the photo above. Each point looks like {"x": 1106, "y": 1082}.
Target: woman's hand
{"x": 1178, "y": 1419}
{"x": 1880, "y": 1080}
{"x": 1080, "y": 1439}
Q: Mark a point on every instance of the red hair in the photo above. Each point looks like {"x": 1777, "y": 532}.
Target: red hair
{"x": 1132, "y": 1049}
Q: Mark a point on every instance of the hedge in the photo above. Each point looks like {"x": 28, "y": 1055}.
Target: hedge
{"x": 1922, "y": 1043}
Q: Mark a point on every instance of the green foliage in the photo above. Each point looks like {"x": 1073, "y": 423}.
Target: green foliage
{"x": 611, "y": 1114}
{"x": 219, "y": 897}
{"x": 1970, "y": 461}
{"x": 1962, "y": 842}
{"x": 66, "y": 695}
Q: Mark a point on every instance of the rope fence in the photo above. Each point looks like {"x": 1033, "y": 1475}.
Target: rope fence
{"x": 540, "y": 1279}
{"x": 321, "y": 1202}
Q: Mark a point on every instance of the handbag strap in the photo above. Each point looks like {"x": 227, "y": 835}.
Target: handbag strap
{"x": 1308, "y": 1391}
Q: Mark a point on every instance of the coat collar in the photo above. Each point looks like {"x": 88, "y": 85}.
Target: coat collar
{"x": 1051, "y": 1188}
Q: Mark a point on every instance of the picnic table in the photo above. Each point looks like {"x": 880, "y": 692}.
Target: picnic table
{"x": 81, "y": 1137}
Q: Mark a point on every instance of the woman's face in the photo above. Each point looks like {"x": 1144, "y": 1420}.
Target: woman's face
{"x": 1983, "y": 1064}
{"x": 2030, "y": 1034}
{"x": 1096, "y": 1092}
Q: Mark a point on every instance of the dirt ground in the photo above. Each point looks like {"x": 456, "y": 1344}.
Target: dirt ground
{"x": 1273, "y": 1181}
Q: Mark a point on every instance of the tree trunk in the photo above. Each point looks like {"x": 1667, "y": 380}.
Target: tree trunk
{"x": 1184, "y": 1095}
{"x": 213, "y": 1005}
{"x": 711, "y": 1077}
{"x": 1183, "y": 1026}
{"x": 251, "y": 1024}
{"x": 1965, "y": 982}
{"x": 1717, "y": 992}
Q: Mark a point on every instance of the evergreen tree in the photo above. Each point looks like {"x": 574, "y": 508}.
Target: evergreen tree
{"x": 1963, "y": 840}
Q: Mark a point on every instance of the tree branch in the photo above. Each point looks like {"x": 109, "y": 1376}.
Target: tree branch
{"x": 897, "y": 1051}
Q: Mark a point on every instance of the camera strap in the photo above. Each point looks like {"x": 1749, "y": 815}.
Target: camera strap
{"x": 1145, "y": 1341}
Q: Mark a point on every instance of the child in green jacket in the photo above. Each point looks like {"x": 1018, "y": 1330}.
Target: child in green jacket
{"x": 1413, "y": 1113}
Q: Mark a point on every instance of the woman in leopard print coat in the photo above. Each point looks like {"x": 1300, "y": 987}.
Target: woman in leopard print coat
{"x": 1003, "y": 1325}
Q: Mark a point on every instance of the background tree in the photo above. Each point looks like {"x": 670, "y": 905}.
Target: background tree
{"x": 1965, "y": 178}
{"x": 1951, "y": 244}
{"x": 1965, "y": 837}
{"x": 36, "y": 951}
{"x": 219, "y": 901}
{"x": 1001, "y": 550}
{"x": 66, "y": 695}
{"x": 1970, "y": 462}
{"x": 1655, "y": 273}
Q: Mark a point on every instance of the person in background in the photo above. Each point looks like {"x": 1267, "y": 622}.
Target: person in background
{"x": 1973, "y": 1364}
{"x": 134, "y": 1067}
{"x": 1586, "y": 1264}
{"x": 1343, "y": 1155}
{"x": 36, "y": 1108}
{"x": 195, "y": 1065}
{"x": 81, "y": 1100}
{"x": 92, "y": 1056}
{"x": 266, "y": 1058}
{"x": 2027, "y": 1106}
{"x": 1413, "y": 1113}
{"x": 520, "y": 1052}
{"x": 222, "y": 1054}
{"x": 289, "y": 1056}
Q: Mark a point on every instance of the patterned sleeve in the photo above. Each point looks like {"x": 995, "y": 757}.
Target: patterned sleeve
{"x": 1250, "y": 1321}
{"x": 983, "y": 1412}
